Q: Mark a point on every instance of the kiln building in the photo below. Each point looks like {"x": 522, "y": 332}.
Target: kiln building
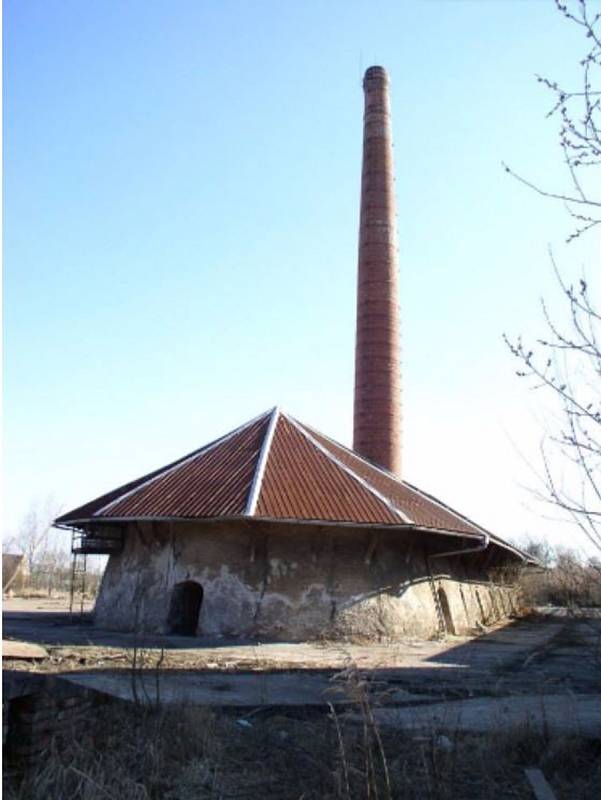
{"x": 276, "y": 531}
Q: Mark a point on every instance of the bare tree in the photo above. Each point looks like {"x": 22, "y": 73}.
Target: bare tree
{"x": 540, "y": 549}
{"x": 579, "y": 114}
{"x": 48, "y": 553}
{"x": 565, "y": 363}
{"x": 568, "y": 579}
{"x": 33, "y": 537}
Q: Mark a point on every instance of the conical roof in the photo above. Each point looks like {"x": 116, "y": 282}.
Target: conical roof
{"x": 276, "y": 468}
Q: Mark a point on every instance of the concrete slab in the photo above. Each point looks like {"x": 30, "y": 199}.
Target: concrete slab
{"x": 482, "y": 657}
{"x": 23, "y": 651}
{"x": 559, "y": 714}
{"x": 542, "y": 654}
{"x": 240, "y": 690}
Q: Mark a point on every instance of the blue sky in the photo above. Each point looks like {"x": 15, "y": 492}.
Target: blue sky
{"x": 181, "y": 185}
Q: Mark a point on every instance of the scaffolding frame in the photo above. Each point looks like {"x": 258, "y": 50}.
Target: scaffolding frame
{"x": 79, "y": 567}
{"x": 84, "y": 543}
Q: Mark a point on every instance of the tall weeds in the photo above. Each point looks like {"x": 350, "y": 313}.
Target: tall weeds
{"x": 188, "y": 753}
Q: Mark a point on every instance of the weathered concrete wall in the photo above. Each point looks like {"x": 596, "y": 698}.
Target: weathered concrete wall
{"x": 291, "y": 582}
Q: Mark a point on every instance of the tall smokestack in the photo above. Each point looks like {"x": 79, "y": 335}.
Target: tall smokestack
{"x": 377, "y": 417}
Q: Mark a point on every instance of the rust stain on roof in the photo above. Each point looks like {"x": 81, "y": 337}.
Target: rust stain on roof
{"x": 303, "y": 482}
{"x": 211, "y": 481}
{"x": 423, "y": 510}
{"x": 275, "y": 467}
{"x": 216, "y": 482}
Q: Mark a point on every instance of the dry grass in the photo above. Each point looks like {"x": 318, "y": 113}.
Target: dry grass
{"x": 192, "y": 754}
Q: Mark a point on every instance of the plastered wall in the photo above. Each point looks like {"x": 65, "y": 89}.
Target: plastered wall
{"x": 293, "y": 582}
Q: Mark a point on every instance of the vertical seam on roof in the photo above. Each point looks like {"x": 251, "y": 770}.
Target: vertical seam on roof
{"x": 255, "y": 489}
{"x": 349, "y": 471}
{"x": 406, "y": 484}
{"x": 201, "y": 451}
{"x": 385, "y": 472}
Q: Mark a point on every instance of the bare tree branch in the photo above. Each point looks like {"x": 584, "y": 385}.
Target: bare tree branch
{"x": 579, "y": 114}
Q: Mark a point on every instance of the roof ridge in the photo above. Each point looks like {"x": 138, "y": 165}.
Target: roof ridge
{"x": 385, "y": 472}
{"x": 462, "y": 517}
{"x": 382, "y": 498}
{"x": 185, "y": 460}
{"x": 257, "y": 482}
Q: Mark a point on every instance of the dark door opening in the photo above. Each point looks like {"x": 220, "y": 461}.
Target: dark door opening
{"x": 446, "y": 611}
{"x": 184, "y": 608}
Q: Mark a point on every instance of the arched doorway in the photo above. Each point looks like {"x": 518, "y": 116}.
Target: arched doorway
{"x": 446, "y": 611}
{"x": 184, "y": 608}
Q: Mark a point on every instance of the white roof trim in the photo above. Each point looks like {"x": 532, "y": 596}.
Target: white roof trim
{"x": 259, "y": 474}
{"x": 255, "y": 489}
{"x": 460, "y": 517}
{"x": 352, "y": 452}
{"x": 404, "y": 518}
{"x": 500, "y": 542}
{"x": 405, "y": 484}
{"x": 207, "y": 448}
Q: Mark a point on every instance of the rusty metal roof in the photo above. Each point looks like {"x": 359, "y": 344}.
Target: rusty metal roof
{"x": 301, "y": 481}
{"x": 212, "y": 481}
{"x": 422, "y": 509}
{"x": 275, "y": 467}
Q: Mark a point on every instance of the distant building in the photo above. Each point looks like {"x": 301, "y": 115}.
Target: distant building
{"x": 15, "y": 572}
{"x": 275, "y": 531}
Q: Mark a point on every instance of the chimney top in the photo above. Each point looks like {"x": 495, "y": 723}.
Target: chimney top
{"x": 376, "y": 73}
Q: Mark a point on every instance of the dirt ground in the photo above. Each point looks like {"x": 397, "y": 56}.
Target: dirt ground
{"x": 40, "y": 602}
{"x": 543, "y": 652}
{"x": 73, "y": 642}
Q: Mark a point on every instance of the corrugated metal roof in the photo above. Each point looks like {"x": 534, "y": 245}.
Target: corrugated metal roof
{"x": 275, "y": 467}
{"x": 301, "y": 481}
{"x": 213, "y": 483}
{"x": 420, "y": 508}
{"x": 209, "y": 482}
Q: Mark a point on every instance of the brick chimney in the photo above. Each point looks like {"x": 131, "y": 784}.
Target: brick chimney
{"x": 377, "y": 415}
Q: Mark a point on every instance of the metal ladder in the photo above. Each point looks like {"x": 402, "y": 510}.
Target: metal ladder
{"x": 442, "y": 627}
{"x": 79, "y": 565}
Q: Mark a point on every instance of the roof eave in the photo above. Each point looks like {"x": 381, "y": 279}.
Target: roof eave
{"x": 68, "y": 524}
{"x": 404, "y": 527}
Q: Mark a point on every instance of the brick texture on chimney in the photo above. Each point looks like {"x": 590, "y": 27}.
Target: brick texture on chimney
{"x": 377, "y": 414}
